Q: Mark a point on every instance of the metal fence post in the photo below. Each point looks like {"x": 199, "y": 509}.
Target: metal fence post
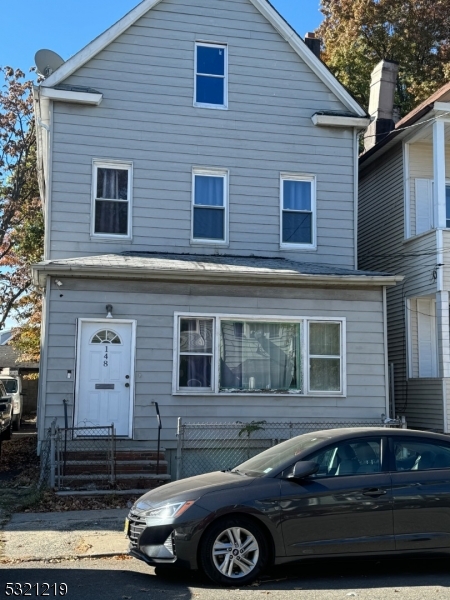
{"x": 113, "y": 454}
{"x": 52, "y": 453}
{"x": 178, "y": 457}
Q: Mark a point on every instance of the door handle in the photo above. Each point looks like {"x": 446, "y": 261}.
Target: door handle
{"x": 374, "y": 492}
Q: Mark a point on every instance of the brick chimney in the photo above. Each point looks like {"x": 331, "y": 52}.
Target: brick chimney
{"x": 381, "y": 103}
{"x": 313, "y": 43}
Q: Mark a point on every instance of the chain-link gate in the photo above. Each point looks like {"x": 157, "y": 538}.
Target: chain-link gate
{"x": 81, "y": 457}
{"x": 206, "y": 447}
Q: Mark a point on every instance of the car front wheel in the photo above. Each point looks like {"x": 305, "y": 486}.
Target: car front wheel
{"x": 234, "y": 551}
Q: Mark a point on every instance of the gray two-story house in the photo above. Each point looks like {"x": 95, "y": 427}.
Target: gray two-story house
{"x": 199, "y": 178}
{"x": 404, "y": 227}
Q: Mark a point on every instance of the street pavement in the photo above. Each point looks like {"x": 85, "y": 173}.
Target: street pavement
{"x": 129, "y": 579}
{"x": 86, "y": 550}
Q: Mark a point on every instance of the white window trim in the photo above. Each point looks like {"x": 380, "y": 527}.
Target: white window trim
{"x": 313, "y": 181}
{"x": 211, "y": 173}
{"x": 112, "y": 164}
{"x": 225, "y": 87}
{"x": 217, "y": 318}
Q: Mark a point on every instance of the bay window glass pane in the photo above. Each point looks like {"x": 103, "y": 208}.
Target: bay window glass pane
{"x": 111, "y": 217}
{"x": 196, "y": 336}
{"x": 260, "y": 356}
{"x": 297, "y": 195}
{"x": 210, "y": 60}
{"x": 325, "y": 374}
{"x": 208, "y": 190}
{"x": 210, "y": 90}
{"x": 325, "y": 339}
{"x": 195, "y": 371}
{"x": 209, "y": 223}
{"x": 112, "y": 184}
{"x": 297, "y": 227}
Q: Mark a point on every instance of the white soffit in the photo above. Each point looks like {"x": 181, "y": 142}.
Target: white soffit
{"x": 72, "y": 96}
{"x": 340, "y": 121}
{"x": 263, "y": 6}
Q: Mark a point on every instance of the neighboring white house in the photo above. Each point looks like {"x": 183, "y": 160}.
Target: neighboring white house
{"x": 404, "y": 227}
{"x": 199, "y": 178}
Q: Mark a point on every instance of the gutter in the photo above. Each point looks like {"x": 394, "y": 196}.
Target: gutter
{"x": 40, "y": 273}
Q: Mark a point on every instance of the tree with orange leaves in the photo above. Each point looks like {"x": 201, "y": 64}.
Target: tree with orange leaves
{"x": 357, "y": 34}
{"x": 21, "y": 219}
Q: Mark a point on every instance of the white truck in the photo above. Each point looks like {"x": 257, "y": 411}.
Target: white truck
{"x": 13, "y": 386}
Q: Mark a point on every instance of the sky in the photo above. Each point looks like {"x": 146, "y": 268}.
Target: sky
{"x": 66, "y": 26}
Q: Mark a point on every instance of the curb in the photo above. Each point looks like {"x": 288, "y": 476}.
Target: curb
{"x": 4, "y": 560}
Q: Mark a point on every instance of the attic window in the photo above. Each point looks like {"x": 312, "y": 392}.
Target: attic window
{"x": 111, "y": 199}
{"x": 211, "y": 85}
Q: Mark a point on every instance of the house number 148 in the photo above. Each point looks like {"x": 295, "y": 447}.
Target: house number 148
{"x": 105, "y": 357}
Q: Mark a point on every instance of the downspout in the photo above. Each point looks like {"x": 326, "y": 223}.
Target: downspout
{"x": 386, "y": 358}
{"x": 41, "y": 407}
{"x": 355, "y": 193}
{"x": 439, "y": 290}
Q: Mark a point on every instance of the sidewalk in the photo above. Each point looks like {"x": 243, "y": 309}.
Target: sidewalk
{"x": 72, "y": 534}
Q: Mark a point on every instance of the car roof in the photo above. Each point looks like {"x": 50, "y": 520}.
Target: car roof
{"x": 7, "y": 377}
{"x": 346, "y": 432}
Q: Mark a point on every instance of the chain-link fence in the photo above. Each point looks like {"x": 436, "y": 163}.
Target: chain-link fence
{"x": 78, "y": 457}
{"x": 205, "y": 447}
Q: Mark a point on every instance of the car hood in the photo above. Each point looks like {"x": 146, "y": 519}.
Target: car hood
{"x": 193, "y": 488}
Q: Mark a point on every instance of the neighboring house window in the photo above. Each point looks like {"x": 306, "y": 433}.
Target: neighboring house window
{"x": 447, "y": 205}
{"x": 422, "y": 337}
{"x": 209, "y": 210}
{"x": 424, "y": 205}
{"x": 260, "y": 356}
{"x": 298, "y": 198}
{"x": 211, "y": 85}
{"x": 112, "y": 199}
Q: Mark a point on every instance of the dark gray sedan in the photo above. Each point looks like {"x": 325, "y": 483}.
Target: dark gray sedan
{"x": 341, "y": 492}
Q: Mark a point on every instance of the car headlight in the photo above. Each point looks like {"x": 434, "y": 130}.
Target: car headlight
{"x": 168, "y": 511}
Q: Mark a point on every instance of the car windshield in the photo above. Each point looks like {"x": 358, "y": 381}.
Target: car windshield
{"x": 10, "y": 385}
{"x": 274, "y": 458}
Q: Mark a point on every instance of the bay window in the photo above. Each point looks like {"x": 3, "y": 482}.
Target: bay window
{"x": 225, "y": 354}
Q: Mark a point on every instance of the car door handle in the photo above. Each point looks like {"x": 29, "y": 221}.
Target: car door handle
{"x": 374, "y": 492}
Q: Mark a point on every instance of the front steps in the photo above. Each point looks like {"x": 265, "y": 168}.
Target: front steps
{"x": 131, "y": 470}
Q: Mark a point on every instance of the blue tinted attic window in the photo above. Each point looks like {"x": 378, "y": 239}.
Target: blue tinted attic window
{"x": 210, "y": 76}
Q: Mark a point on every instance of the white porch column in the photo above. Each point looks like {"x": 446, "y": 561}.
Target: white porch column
{"x": 443, "y": 329}
{"x": 439, "y": 174}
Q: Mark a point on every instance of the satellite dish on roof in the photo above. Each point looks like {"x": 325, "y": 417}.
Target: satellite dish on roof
{"x": 47, "y": 62}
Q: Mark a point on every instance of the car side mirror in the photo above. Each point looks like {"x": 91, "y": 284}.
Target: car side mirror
{"x": 304, "y": 468}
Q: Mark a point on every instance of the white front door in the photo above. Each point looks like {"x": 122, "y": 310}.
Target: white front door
{"x": 105, "y": 375}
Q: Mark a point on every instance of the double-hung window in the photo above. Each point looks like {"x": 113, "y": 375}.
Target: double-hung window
{"x": 209, "y": 206}
{"x": 211, "y": 75}
{"x": 225, "y": 354}
{"x": 111, "y": 203}
{"x": 298, "y": 199}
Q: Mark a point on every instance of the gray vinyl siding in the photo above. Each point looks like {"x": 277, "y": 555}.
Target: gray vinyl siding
{"x": 147, "y": 117}
{"x": 153, "y": 306}
{"x": 425, "y": 407}
{"x": 382, "y": 246}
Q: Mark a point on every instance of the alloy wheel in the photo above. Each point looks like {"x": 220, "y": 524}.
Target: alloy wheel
{"x": 235, "y": 552}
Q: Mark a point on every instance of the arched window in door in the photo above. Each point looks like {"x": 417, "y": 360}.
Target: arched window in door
{"x": 106, "y": 336}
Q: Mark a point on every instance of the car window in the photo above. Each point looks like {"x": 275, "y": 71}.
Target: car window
{"x": 420, "y": 455}
{"x": 10, "y": 385}
{"x": 349, "y": 457}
